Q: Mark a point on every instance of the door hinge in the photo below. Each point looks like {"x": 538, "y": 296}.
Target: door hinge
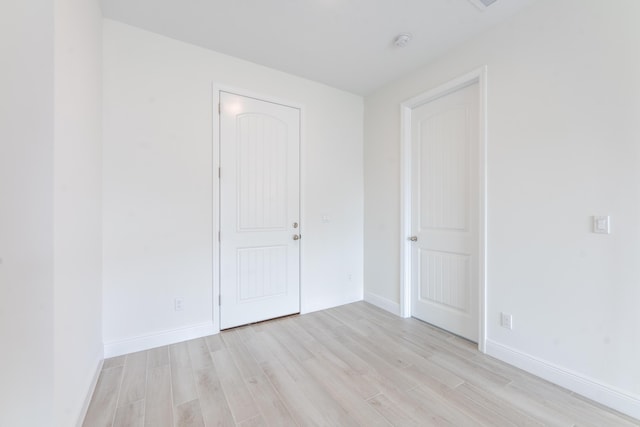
{"x": 218, "y": 236}
{"x": 219, "y": 108}
{"x": 219, "y": 300}
{"x": 219, "y": 172}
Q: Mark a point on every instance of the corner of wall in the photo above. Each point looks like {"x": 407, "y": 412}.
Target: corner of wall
{"x": 383, "y": 303}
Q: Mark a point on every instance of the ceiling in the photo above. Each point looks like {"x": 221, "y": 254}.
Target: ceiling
{"x": 347, "y": 44}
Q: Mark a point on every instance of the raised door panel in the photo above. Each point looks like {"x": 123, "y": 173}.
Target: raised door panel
{"x": 444, "y": 280}
{"x": 262, "y": 273}
{"x": 262, "y": 173}
{"x": 444, "y": 170}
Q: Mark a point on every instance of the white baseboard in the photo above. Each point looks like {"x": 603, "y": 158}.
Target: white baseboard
{"x": 612, "y": 397}
{"x": 383, "y": 303}
{"x": 92, "y": 388}
{"x": 145, "y": 342}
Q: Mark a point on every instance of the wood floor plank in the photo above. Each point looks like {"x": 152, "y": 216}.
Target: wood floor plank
{"x": 277, "y": 351}
{"x": 395, "y": 415}
{"x": 305, "y": 385}
{"x": 258, "y": 349}
{"x": 199, "y": 354}
{"x": 158, "y": 356}
{"x": 240, "y": 400}
{"x": 387, "y": 349}
{"x": 188, "y": 414}
{"x": 426, "y": 372}
{"x": 601, "y": 411}
{"x": 290, "y": 342}
{"x": 433, "y": 400}
{"x": 563, "y": 402}
{"x": 334, "y": 365}
{"x": 245, "y": 332}
{"x": 293, "y": 325}
{"x": 584, "y": 412}
{"x": 432, "y": 341}
{"x": 230, "y": 338}
{"x": 273, "y": 410}
{"x": 310, "y": 386}
{"x": 300, "y": 405}
{"x": 382, "y": 369}
{"x": 328, "y": 324}
{"x": 253, "y": 422}
{"x": 361, "y": 362}
{"x": 342, "y": 391}
{"x": 430, "y": 338}
{"x": 114, "y": 362}
{"x": 405, "y": 402}
{"x": 103, "y": 404}
{"x": 214, "y": 342}
{"x": 213, "y": 402}
{"x": 490, "y": 409}
{"x": 182, "y": 381}
{"x": 471, "y": 372}
{"x": 134, "y": 378}
{"x": 533, "y": 407}
{"x": 352, "y": 321}
{"x": 245, "y": 362}
{"x": 130, "y": 415}
{"x": 158, "y": 403}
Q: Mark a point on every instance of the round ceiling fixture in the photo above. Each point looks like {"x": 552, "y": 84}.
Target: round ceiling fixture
{"x": 402, "y": 39}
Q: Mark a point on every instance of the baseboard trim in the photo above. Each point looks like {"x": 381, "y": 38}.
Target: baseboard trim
{"x": 383, "y": 303}
{"x": 146, "y": 342}
{"x": 92, "y": 389}
{"x": 607, "y": 395}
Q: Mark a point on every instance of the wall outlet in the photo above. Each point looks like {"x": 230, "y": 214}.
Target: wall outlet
{"x": 506, "y": 320}
{"x": 178, "y": 304}
{"x": 602, "y": 224}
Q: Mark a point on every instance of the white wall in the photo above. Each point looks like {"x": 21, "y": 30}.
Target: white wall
{"x": 563, "y": 144}
{"x": 26, "y": 207}
{"x": 77, "y": 204}
{"x": 50, "y": 248}
{"x": 158, "y": 185}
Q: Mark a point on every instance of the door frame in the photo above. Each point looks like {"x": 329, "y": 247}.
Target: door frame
{"x": 476, "y": 76}
{"x": 216, "y": 88}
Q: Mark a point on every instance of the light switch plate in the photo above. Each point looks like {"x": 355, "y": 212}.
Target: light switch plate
{"x": 601, "y": 224}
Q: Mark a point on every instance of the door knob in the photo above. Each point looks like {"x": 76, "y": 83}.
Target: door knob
{"x": 413, "y": 238}
{"x": 296, "y": 237}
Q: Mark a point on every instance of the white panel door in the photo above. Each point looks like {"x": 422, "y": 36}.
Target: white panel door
{"x": 445, "y": 212}
{"x": 259, "y": 210}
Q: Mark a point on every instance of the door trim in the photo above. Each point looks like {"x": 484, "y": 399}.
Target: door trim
{"x": 216, "y": 88}
{"x": 477, "y": 76}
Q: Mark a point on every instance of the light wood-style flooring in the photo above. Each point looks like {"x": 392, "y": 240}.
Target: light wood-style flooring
{"x": 347, "y": 366}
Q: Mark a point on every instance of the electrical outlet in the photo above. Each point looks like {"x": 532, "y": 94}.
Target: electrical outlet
{"x": 177, "y": 304}
{"x": 506, "y": 320}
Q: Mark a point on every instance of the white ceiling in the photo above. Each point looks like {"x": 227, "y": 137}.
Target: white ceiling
{"x": 346, "y": 44}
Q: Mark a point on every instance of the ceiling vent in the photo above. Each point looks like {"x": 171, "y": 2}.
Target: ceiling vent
{"x": 482, "y": 4}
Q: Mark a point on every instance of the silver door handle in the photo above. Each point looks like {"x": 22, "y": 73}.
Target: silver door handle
{"x": 413, "y": 238}
{"x": 296, "y": 237}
